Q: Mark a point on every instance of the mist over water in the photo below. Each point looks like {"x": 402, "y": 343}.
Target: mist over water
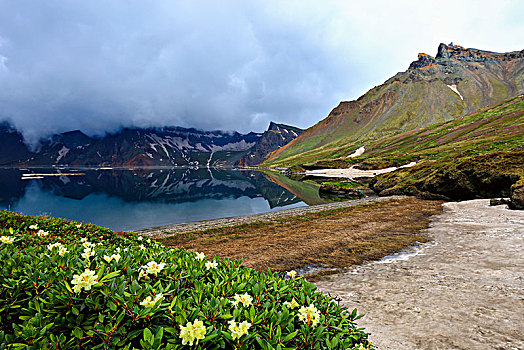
{"x": 130, "y": 199}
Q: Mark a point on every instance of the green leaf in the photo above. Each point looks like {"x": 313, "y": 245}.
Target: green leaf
{"x": 77, "y": 332}
{"x": 148, "y": 336}
{"x": 158, "y": 337}
{"x": 109, "y": 276}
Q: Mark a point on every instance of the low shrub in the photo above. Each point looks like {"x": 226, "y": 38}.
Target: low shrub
{"x": 67, "y": 285}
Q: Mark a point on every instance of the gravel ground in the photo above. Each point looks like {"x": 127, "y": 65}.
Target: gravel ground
{"x": 464, "y": 290}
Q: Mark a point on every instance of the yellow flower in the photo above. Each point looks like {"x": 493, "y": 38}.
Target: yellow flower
{"x": 192, "y": 331}
{"x": 291, "y": 304}
{"x": 7, "y": 239}
{"x": 33, "y": 227}
{"x": 88, "y": 252}
{"x": 150, "y": 301}
{"x": 112, "y": 257}
{"x": 309, "y": 315}
{"x": 78, "y": 225}
{"x": 83, "y": 240}
{"x": 200, "y": 256}
{"x": 85, "y": 280}
{"x": 87, "y": 244}
{"x": 245, "y": 299}
{"x": 142, "y": 247}
{"x": 292, "y": 274}
{"x": 140, "y": 238}
{"x": 62, "y": 251}
{"x": 42, "y": 233}
{"x": 238, "y": 330}
{"x": 153, "y": 267}
{"x": 211, "y": 265}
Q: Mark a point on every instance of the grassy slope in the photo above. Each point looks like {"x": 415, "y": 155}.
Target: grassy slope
{"x": 497, "y": 128}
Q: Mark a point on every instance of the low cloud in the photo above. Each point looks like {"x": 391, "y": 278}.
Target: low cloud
{"x": 232, "y": 65}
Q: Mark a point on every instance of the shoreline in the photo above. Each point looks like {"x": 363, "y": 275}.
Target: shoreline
{"x": 166, "y": 231}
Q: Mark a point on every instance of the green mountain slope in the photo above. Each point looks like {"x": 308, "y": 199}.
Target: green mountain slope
{"x": 433, "y": 90}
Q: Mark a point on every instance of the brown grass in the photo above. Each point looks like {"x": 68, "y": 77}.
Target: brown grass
{"x": 333, "y": 239}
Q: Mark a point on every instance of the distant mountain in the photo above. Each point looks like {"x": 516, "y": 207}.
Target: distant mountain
{"x": 168, "y": 146}
{"x": 276, "y": 136}
{"x": 12, "y": 147}
{"x": 455, "y": 82}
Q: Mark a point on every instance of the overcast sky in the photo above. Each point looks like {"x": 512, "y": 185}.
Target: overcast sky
{"x": 233, "y": 65}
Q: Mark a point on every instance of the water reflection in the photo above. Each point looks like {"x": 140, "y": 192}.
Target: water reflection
{"x": 130, "y": 199}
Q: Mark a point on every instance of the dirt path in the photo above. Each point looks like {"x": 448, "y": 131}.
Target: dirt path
{"x": 464, "y": 290}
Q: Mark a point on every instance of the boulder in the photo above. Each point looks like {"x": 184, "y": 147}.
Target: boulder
{"x": 517, "y": 196}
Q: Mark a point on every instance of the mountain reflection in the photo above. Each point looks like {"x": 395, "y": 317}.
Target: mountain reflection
{"x": 160, "y": 186}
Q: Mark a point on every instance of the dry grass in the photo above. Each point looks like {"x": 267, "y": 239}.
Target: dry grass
{"x": 334, "y": 238}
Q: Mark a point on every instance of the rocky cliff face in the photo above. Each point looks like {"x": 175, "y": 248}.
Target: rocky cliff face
{"x": 276, "y": 136}
{"x": 169, "y": 146}
{"x": 455, "y": 82}
{"x": 12, "y": 147}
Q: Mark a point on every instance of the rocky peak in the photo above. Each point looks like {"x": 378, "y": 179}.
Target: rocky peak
{"x": 424, "y": 60}
{"x": 474, "y": 55}
{"x": 460, "y": 53}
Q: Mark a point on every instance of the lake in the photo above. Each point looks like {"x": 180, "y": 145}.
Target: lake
{"x": 131, "y": 199}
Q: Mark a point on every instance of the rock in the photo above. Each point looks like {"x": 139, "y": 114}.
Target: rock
{"x": 329, "y": 190}
{"x": 494, "y": 201}
{"x": 517, "y": 196}
{"x": 424, "y": 60}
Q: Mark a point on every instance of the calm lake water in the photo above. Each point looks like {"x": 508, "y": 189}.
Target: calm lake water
{"x": 131, "y": 199}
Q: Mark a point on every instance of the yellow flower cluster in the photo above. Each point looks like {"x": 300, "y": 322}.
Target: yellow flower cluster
{"x": 62, "y": 250}
{"x": 200, "y": 256}
{"x": 150, "y": 301}
{"x": 192, "y": 331}
{"x": 245, "y": 299}
{"x": 88, "y": 252}
{"x": 7, "y": 239}
{"x": 42, "y": 233}
{"x": 211, "y": 265}
{"x": 291, "y": 304}
{"x": 33, "y": 227}
{"x": 238, "y": 330}
{"x": 309, "y": 315}
{"x": 115, "y": 257}
{"x": 292, "y": 274}
{"x": 153, "y": 267}
{"x": 86, "y": 243}
{"x": 85, "y": 280}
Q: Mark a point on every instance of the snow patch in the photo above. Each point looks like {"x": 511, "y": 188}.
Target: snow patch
{"x": 62, "y": 153}
{"x": 358, "y": 152}
{"x": 454, "y": 88}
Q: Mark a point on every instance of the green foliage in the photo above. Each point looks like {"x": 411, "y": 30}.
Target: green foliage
{"x": 40, "y": 307}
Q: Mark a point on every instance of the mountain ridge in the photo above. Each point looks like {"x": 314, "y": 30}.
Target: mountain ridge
{"x": 455, "y": 82}
{"x": 162, "y": 146}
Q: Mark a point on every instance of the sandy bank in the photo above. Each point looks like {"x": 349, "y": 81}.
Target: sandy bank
{"x": 464, "y": 290}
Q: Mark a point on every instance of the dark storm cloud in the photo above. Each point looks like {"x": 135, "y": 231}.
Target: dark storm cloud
{"x": 100, "y": 65}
